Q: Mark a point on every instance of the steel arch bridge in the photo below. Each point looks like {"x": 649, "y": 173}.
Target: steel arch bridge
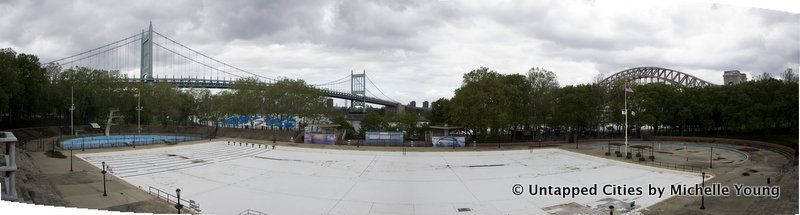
{"x": 670, "y": 76}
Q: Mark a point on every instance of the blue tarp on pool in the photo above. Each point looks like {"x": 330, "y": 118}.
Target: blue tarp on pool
{"x": 122, "y": 140}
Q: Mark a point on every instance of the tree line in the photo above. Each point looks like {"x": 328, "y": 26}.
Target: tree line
{"x": 32, "y": 94}
{"x": 496, "y": 107}
{"x": 490, "y": 106}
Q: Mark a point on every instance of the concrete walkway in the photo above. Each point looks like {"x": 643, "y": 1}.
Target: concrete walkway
{"x": 83, "y": 187}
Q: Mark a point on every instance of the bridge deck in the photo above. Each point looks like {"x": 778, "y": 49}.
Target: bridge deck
{"x": 227, "y": 84}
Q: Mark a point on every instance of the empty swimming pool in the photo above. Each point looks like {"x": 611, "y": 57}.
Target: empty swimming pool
{"x": 123, "y": 140}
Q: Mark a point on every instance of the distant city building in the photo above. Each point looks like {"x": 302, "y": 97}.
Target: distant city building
{"x": 425, "y": 105}
{"x": 412, "y": 104}
{"x": 329, "y": 102}
{"x": 734, "y": 77}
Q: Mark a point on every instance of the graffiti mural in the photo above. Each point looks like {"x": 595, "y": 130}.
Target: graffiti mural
{"x": 258, "y": 121}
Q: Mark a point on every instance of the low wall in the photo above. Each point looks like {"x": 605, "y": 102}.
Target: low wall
{"x": 33, "y": 133}
{"x": 787, "y": 151}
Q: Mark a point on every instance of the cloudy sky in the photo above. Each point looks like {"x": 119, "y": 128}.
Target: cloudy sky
{"x": 419, "y": 50}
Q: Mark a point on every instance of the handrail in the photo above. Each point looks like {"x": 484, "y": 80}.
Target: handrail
{"x": 169, "y": 197}
{"x": 252, "y": 212}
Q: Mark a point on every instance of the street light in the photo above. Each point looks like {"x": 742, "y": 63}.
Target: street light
{"x": 104, "y": 179}
{"x": 178, "y": 206}
{"x": 703, "y": 197}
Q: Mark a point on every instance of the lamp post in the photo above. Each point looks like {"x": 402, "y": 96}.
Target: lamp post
{"x": 71, "y": 110}
{"x": 178, "y": 205}
{"x": 703, "y": 197}
{"x": 686, "y": 151}
{"x": 104, "y": 179}
{"x": 138, "y": 112}
{"x": 711, "y": 158}
{"x": 70, "y": 160}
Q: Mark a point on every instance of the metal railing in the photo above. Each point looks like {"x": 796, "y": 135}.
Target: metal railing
{"x": 252, "y": 212}
{"x": 172, "y": 198}
{"x": 667, "y": 165}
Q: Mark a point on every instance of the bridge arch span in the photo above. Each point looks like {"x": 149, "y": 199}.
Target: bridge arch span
{"x": 670, "y": 76}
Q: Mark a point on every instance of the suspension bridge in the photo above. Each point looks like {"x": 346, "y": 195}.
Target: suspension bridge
{"x": 152, "y": 57}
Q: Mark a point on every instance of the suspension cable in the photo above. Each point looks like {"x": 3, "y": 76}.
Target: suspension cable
{"x": 106, "y": 45}
{"x": 223, "y": 63}
{"x": 337, "y": 81}
{"x": 334, "y": 82}
{"x": 379, "y": 89}
{"x": 206, "y": 65}
{"x": 95, "y": 54}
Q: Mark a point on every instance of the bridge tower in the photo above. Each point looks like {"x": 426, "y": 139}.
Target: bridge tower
{"x": 146, "y": 69}
{"x": 358, "y": 87}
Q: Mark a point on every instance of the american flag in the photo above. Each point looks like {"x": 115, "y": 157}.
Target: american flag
{"x": 628, "y": 89}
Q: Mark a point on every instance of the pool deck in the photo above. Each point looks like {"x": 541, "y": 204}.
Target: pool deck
{"x": 230, "y": 178}
{"x": 53, "y": 184}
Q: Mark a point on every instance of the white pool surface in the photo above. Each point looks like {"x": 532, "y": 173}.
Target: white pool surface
{"x": 228, "y": 179}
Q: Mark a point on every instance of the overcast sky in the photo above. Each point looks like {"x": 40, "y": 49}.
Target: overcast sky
{"x": 419, "y": 50}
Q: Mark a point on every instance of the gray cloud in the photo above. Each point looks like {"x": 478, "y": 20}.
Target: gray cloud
{"x": 418, "y": 50}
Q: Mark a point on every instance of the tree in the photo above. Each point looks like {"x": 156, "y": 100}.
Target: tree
{"x": 479, "y": 104}
{"x": 789, "y": 76}
{"x": 578, "y": 107}
{"x": 23, "y": 85}
{"x": 655, "y": 103}
{"x": 543, "y": 86}
{"x": 439, "y": 114}
{"x": 345, "y": 126}
{"x": 408, "y": 123}
{"x": 295, "y": 98}
{"x": 372, "y": 122}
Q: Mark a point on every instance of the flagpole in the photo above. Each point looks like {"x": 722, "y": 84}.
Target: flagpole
{"x": 626, "y": 120}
